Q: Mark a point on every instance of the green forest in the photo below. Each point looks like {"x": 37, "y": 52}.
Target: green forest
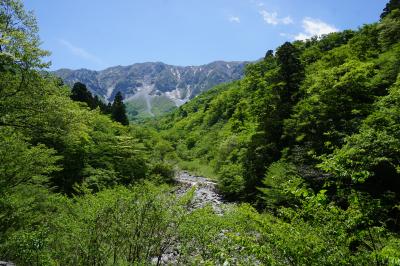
{"x": 305, "y": 150}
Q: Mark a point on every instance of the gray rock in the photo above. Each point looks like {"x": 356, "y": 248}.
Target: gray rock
{"x": 5, "y": 263}
{"x": 154, "y": 84}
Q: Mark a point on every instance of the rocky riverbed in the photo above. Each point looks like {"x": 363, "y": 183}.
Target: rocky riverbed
{"x": 205, "y": 193}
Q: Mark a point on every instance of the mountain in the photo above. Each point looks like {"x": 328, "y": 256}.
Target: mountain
{"x": 152, "y": 89}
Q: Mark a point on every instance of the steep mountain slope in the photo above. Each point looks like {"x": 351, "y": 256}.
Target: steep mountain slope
{"x": 316, "y": 116}
{"x": 154, "y": 88}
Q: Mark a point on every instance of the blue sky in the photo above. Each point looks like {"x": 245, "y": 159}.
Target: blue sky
{"x": 96, "y": 34}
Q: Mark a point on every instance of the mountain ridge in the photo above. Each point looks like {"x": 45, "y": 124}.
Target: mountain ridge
{"x": 156, "y": 85}
{"x": 155, "y": 62}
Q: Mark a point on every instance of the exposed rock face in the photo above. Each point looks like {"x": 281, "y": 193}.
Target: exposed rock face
{"x": 145, "y": 82}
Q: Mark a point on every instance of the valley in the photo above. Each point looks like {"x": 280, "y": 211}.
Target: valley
{"x": 293, "y": 159}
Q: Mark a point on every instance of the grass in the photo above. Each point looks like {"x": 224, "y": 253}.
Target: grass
{"x": 162, "y": 105}
{"x": 195, "y": 167}
{"x": 137, "y": 108}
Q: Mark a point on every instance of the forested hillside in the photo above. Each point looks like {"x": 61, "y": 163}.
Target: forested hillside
{"x": 306, "y": 147}
{"x": 316, "y": 119}
{"x": 309, "y": 106}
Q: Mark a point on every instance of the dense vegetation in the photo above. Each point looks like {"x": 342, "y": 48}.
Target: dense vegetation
{"x": 51, "y": 146}
{"x": 315, "y": 119}
{"x": 310, "y": 139}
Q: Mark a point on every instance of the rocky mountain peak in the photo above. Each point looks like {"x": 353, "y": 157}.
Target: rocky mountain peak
{"x": 147, "y": 84}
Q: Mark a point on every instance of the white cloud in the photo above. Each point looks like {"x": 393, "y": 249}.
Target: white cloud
{"x": 273, "y": 19}
{"x": 287, "y": 20}
{"x": 257, "y": 3}
{"x": 234, "y": 19}
{"x": 80, "y": 52}
{"x": 314, "y": 27}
